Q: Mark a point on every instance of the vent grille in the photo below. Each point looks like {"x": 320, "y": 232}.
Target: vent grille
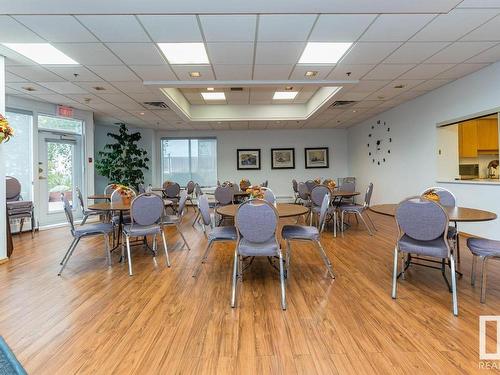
{"x": 343, "y": 103}
{"x": 236, "y": 88}
{"x": 156, "y": 105}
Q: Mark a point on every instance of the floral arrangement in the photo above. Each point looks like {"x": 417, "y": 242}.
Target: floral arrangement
{"x": 167, "y": 184}
{"x": 255, "y": 192}
{"x": 244, "y": 184}
{"x": 227, "y": 184}
{"x": 317, "y": 180}
{"x": 329, "y": 183}
{"x": 431, "y": 195}
{"x": 5, "y": 130}
{"x": 124, "y": 191}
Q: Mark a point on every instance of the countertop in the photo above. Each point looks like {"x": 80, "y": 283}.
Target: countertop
{"x": 476, "y": 181}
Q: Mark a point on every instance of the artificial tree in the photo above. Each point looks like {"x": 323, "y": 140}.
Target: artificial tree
{"x": 123, "y": 162}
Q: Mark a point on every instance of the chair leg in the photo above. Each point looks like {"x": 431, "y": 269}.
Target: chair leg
{"x": 155, "y": 249}
{"x": 326, "y": 260}
{"x": 473, "y": 271}
{"x": 235, "y": 278}
{"x": 288, "y": 258}
{"x": 68, "y": 256}
{"x": 84, "y": 219}
{"x": 127, "y": 238}
{"x": 68, "y": 251}
{"x": 106, "y": 248}
{"x": 203, "y": 259}
{"x": 335, "y": 223}
{"x": 395, "y": 272}
{"x": 483, "y": 280}
{"x": 364, "y": 222}
{"x": 282, "y": 282}
{"x": 342, "y": 215}
{"x": 371, "y": 221}
{"x": 458, "y": 247}
{"x": 165, "y": 247}
{"x": 454, "y": 285}
{"x": 182, "y": 235}
{"x": 196, "y": 218}
{"x": 21, "y": 226}
{"x": 32, "y": 224}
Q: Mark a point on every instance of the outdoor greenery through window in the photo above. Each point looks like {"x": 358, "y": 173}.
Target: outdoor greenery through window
{"x": 66, "y": 125}
{"x": 188, "y": 159}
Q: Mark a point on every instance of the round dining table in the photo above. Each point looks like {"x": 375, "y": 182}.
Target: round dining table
{"x": 284, "y": 210}
{"x": 99, "y": 196}
{"x": 455, "y": 214}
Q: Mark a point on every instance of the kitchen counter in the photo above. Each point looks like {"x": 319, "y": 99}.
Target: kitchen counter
{"x": 475, "y": 181}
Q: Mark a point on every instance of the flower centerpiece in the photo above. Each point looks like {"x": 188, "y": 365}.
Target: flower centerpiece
{"x": 431, "y": 195}
{"x": 317, "y": 180}
{"x": 227, "y": 184}
{"x": 255, "y": 192}
{"x": 125, "y": 193}
{"x": 244, "y": 184}
{"x": 5, "y": 130}
{"x": 329, "y": 183}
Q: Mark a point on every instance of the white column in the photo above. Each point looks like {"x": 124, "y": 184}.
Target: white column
{"x": 3, "y": 240}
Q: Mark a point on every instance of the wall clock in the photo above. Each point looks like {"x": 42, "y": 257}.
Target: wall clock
{"x": 379, "y": 142}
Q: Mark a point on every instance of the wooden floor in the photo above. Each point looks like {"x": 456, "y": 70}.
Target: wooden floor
{"x": 98, "y": 320}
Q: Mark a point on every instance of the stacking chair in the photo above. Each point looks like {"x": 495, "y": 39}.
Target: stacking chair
{"x": 141, "y": 188}
{"x": 86, "y": 213}
{"x": 269, "y": 196}
{"x": 483, "y": 249}
{"x": 146, "y": 212}
{"x": 116, "y": 197}
{"x": 84, "y": 231}
{"x": 256, "y": 223}
{"x": 264, "y": 184}
{"x": 308, "y": 233}
{"x": 190, "y": 190}
{"x": 224, "y": 195}
{"x": 108, "y": 190}
{"x": 171, "y": 192}
{"x": 317, "y": 194}
{"x": 197, "y": 193}
{"x": 359, "y": 210}
{"x": 310, "y": 185}
{"x": 226, "y": 233}
{"x": 305, "y": 198}
{"x": 17, "y": 208}
{"x": 348, "y": 185}
{"x": 176, "y": 220}
{"x": 423, "y": 230}
{"x": 295, "y": 187}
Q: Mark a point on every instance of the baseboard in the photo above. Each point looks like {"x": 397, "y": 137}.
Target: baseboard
{"x": 4, "y": 260}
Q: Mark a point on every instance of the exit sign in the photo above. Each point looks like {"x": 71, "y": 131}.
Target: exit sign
{"x": 64, "y": 111}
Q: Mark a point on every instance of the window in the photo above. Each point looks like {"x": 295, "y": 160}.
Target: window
{"x": 18, "y": 157}
{"x": 188, "y": 159}
{"x": 59, "y": 123}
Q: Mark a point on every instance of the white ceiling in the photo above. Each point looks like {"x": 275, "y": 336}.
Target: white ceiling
{"x": 419, "y": 45}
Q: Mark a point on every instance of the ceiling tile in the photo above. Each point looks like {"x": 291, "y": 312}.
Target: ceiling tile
{"x": 426, "y": 71}
{"x": 21, "y": 87}
{"x": 488, "y": 56}
{"x": 487, "y": 32}
{"x": 172, "y": 28}
{"x": 34, "y": 73}
{"x": 182, "y": 72}
{"x": 9, "y": 77}
{"x": 114, "y": 73}
{"x": 13, "y": 32}
{"x": 272, "y": 72}
{"x": 131, "y": 87}
{"x": 137, "y": 53}
{"x": 285, "y": 28}
{"x": 90, "y": 87}
{"x": 278, "y": 53}
{"x": 122, "y": 101}
{"x": 230, "y": 53}
{"x": 367, "y": 86}
{"x": 14, "y": 58}
{"x": 415, "y": 52}
{"x": 388, "y": 71}
{"x": 150, "y": 96}
{"x": 63, "y": 87}
{"x": 395, "y": 27}
{"x": 57, "y": 28}
{"x": 193, "y": 97}
{"x": 115, "y": 28}
{"x": 369, "y": 53}
{"x": 238, "y": 97}
{"x": 68, "y": 73}
{"x": 89, "y": 53}
{"x": 300, "y": 70}
{"x": 431, "y": 84}
{"x": 460, "y": 70}
{"x": 259, "y": 95}
{"x": 233, "y": 72}
{"x": 459, "y": 51}
{"x": 229, "y": 28}
{"x": 350, "y": 71}
{"x": 452, "y": 26}
{"x": 340, "y": 27}
{"x": 154, "y": 72}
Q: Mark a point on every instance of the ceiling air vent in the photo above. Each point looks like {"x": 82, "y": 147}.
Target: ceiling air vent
{"x": 343, "y": 104}
{"x": 236, "y": 88}
{"x": 156, "y": 105}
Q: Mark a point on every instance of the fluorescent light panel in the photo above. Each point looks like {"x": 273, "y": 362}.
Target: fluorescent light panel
{"x": 323, "y": 53}
{"x": 213, "y": 96}
{"x": 285, "y": 95}
{"x": 41, "y": 53}
{"x": 184, "y": 53}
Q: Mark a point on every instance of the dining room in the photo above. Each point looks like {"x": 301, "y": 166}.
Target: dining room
{"x": 212, "y": 188}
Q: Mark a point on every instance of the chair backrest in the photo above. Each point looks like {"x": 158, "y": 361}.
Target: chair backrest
{"x": 446, "y": 197}
{"x": 303, "y": 191}
{"x": 295, "y": 186}
{"x": 12, "y": 189}
{"x": 172, "y": 190}
{"x": 141, "y": 188}
{"x": 204, "y": 210}
{"x": 197, "y": 191}
{"x": 269, "y": 196}
{"x": 224, "y": 195}
{"x": 236, "y": 187}
{"x": 323, "y": 211}
{"x": 68, "y": 211}
{"x": 80, "y": 198}
{"x": 190, "y": 187}
{"x": 368, "y": 195}
{"x": 348, "y": 186}
{"x": 422, "y": 219}
{"x": 265, "y": 184}
{"x": 182, "y": 203}
{"x": 108, "y": 190}
{"x": 146, "y": 209}
{"x": 318, "y": 193}
{"x": 310, "y": 185}
{"x": 116, "y": 196}
{"x": 256, "y": 220}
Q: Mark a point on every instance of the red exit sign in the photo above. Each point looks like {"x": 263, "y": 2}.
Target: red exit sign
{"x": 64, "y": 111}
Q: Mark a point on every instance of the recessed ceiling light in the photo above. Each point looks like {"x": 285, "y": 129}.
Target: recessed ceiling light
{"x": 323, "y": 53}
{"x": 98, "y": 88}
{"x": 194, "y": 74}
{"x": 288, "y": 88}
{"x": 41, "y": 53}
{"x": 184, "y": 53}
{"x": 210, "y": 89}
{"x": 354, "y": 111}
{"x": 399, "y": 86}
{"x": 219, "y": 122}
{"x": 29, "y": 88}
{"x": 311, "y": 73}
{"x": 285, "y": 95}
{"x": 213, "y": 95}
{"x": 141, "y": 113}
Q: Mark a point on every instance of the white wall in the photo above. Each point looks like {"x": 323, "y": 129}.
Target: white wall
{"x": 413, "y": 165}
{"x": 3, "y": 233}
{"x": 228, "y": 141}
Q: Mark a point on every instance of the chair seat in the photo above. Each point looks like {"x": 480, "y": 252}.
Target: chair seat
{"x": 435, "y": 248}
{"x": 89, "y": 229}
{"x": 19, "y": 215}
{"x": 297, "y": 232}
{"x": 223, "y": 233}
{"x": 268, "y": 248}
{"x": 484, "y": 247}
{"x": 141, "y": 230}
{"x": 170, "y": 219}
{"x": 352, "y": 208}
{"x": 92, "y": 212}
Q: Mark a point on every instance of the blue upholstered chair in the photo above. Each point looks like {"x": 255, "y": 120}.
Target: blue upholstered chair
{"x": 269, "y": 196}
{"x": 212, "y": 233}
{"x": 86, "y": 213}
{"x": 317, "y": 194}
{"x": 295, "y": 187}
{"x": 171, "y": 192}
{"x": 108, "y": 190}
{"x": 265, "y": 184}
{"x": 308, "y": 233}
{"x": 483, "y": 249}
{"x": 197, "y": 193}
{"x": 17, "y": 208}
{"x": 310, "y": 185}
{"x": 224, "y": 195}
{"x": 423, "y": 230}
{"x": 176, "y": 220}
{"x": 146, "y": 212}
{"x": 117, "y": 197}
{"x": 359, "y": 210}
{"x": 256, "y": 222}
{"x": 83, "y": 231}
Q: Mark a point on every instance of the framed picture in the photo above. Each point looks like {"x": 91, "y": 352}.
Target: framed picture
{"x": 282, "y": 158}
{"x": 248, "y": 158}
{"x": 317, "y": 157}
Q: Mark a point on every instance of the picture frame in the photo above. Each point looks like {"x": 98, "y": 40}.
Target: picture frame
{"x": 282, "y": 158}
{"x": 248, "y": 159}
{"x": 316, "y": 157}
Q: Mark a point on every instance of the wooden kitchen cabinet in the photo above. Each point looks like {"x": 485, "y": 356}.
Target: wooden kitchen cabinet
{"x": 467, "y": 139}
{"x": 477, "y": 137}
{"x": 487, "y": 135}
